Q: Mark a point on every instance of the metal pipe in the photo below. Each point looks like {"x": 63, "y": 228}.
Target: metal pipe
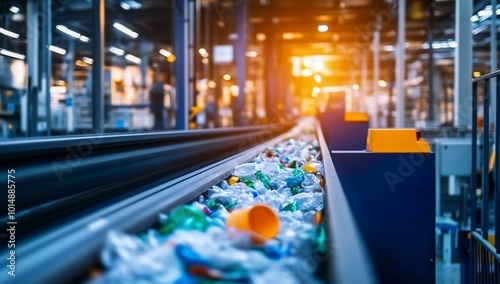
{"x": 98, "y": 65}
{"x": 400, "y": 65}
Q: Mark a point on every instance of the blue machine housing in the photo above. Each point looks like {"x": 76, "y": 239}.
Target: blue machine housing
{"x": 392, "y": 199}
{"x": 341, "y": 134}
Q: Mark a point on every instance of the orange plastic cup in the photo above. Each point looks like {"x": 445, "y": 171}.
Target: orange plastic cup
{"x": 259, "y": 219}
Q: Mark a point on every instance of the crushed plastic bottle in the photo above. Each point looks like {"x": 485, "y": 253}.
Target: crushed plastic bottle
{"x": 193, "y": 244}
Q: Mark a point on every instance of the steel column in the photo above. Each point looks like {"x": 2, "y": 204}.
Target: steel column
{"x": 98, "y": 65}
{"x": 47, "y": 62}
{"x": 364, "y": 79}
{"x": 69, "y": 59}
{"x": 463, "y": 63}
{"x": 400, "y": 65}
{"x": 376, "y": 73}
{"x": 33, "y": 57}
{"x": 485, "y": 184}
{"x": 270, "y": 77}
{"x": 241, "y": 62}
{"x": 493, "y": 57}
{"x": 430, "y": 39}
{"x": 497, "y": 166}
{"x": 181, "y": 64}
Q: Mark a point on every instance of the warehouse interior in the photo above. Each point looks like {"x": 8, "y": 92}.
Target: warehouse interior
{"x": 159, "y": 91}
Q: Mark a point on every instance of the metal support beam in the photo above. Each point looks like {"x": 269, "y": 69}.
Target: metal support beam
{"x": 69, "y": 60}
{"x": 270, "y": 77}
{"x": 431, "y": 68}
{"x": 376, "y": 74}
{"x": 400, "y": 65}
{"x": 47, "y": 61}
{"x": 98, "y": 65}
{"x": 146, "y": 49}
{"x": 239, "y": 114}
{"x": 364, "y": 79}
{"x": 493, "y": 59}
{"x": 33, "y": 57}
{"x": 181, "y": 64}
{"x": 463, "y": 64}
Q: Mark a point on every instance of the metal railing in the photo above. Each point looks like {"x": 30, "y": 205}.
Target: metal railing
{"x": 485, "y": 256}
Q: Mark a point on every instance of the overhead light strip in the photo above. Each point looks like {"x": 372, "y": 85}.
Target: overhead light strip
{"x": 57, "y": 49}
{"x": 133, "y": 58}
{"x": 9, "y": 33}
{"x": 116, "y": 50}
{"x": 125, "y": 30}
{"x": 12, "y": 54}
{"x": 72, "y": 33}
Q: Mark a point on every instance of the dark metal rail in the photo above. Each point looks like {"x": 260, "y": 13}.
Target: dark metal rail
{"x": 350, "y": 261}
{"x": 65, "y": 252}
{"x": 485, "y": 256}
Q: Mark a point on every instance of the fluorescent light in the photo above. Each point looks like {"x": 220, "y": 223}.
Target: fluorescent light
{"x": 125, "y": 30}
{"x": 251, "y": 53}
{"x": 12, "y": 54}
{"x": 14, "y": 9}
{"x": 125, "y": 6}
{"x": 57, "y": 49}
{"x": 133, "y": 59}
{"x": 474, "y": 18}
{"x": 322, "y": 28}
{"x": 87, "y": 60}
{"x": 117, "y": 51}
{"x": 84, "y": 38}
{"x": 8, "y": 33}
{"x": 68, "y": 31}
{"x": 130, "y": 5}
{"x": 165, "y": 53}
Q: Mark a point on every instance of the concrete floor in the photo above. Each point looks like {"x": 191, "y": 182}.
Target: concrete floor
{"x": 447, "y": 274}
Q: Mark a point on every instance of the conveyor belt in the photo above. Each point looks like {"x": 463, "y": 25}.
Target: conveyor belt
{"x": 62, "y": 248}
{"x": 60, "y": 178}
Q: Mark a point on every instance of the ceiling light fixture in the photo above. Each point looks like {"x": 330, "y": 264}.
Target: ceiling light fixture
{"x": 116, "y": 50}
{"x": 8, "y": 33}
{"x": 88, "y": 60}
{"x": 322, "y": 28}
{"x": 133, "y": 58}
{"x": 125, "y": 30}
{"x": 57, "y": 49}
{"x": 12, "y": 54}
{"x": 14, "y": 9}
{"x": 68, "y": 31}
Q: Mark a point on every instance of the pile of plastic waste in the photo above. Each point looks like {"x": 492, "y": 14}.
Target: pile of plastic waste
{"x": 261, "y": 224}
